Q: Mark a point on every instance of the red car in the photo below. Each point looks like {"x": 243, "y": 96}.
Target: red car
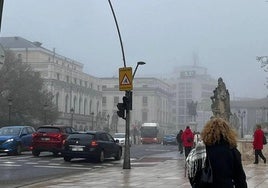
{"x": 50, "y": 138}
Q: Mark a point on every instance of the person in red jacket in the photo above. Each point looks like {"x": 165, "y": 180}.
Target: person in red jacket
{"x": 258, "y": 144}
{"x": 187, "y": 138}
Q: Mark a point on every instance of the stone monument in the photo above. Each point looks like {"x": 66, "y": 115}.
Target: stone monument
{"x": 221, "y": 101}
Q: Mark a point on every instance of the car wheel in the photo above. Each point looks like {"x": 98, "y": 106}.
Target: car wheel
{"x": 36, "y": 153}
{"x": 118, "y": 155}
{"x": 101, "y": 156}
{"x": 67, "y": 159}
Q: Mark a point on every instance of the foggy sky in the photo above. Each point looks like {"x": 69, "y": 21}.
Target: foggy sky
{"x": 226, "y": 36}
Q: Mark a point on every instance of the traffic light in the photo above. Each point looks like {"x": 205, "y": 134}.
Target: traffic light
{"x": 121, "y": 110}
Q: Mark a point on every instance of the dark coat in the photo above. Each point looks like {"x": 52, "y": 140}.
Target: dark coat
{"x": 178, "y": 137}
{"x": 227, "y": 166}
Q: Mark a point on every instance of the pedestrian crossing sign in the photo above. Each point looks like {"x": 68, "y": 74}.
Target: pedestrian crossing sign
{"x": 125, "y": 79}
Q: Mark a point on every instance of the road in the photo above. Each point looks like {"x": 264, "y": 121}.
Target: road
{"x": 25, "y": 169}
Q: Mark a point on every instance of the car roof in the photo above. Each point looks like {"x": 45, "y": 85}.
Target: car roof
{"x": 16, "y": 126}
{"x": 51, "y": 126}
{"x": 89, "y": 132}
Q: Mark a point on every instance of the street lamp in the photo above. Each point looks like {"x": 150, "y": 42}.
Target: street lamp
{"x": 108, "y": 118}
{"x": 72, "y": 116}
{"x": 45, "y": 113}
{"x": 128, "y": 94}
{"x": 242, "y": 116}
{"x": 138, "y": 63}
{"x": 92, "y": 119}
{"x": 9, "y": 110}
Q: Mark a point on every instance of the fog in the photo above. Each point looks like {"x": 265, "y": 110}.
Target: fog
{"x": 223, "y": 36}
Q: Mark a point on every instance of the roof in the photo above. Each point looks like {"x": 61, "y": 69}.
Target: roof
{"x": 16, "y": 126}
{"x": 18, "y": 42}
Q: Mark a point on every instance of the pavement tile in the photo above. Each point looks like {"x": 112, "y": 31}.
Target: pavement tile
{"x": 164, "y": 173}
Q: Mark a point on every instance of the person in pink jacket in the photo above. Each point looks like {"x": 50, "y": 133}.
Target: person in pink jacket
{"x": 187, "y": 138}
{"x": 258, "y": 144}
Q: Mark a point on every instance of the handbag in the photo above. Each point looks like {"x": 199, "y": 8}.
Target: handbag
{"x": 207, "y": 173}
{"x": 264, "y": 140}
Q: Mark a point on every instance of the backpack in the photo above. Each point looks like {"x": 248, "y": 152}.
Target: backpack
{"x": 189, "y": 139}
{"x": 264, "y": 140}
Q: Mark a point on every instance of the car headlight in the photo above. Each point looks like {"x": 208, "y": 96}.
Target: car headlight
{"x": 10, "y": 140}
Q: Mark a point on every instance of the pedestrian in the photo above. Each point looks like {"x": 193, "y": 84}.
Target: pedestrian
{"x": 258, "y": 144}
{"x": 187, "y": 138}
{"x": 220, "y": 149}
{"x": 179, "y": 141}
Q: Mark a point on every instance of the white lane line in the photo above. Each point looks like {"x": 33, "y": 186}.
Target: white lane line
{"x": 62, "y": 167}
{"x": 31, "y": 163}
{"x": 9, "y": 165}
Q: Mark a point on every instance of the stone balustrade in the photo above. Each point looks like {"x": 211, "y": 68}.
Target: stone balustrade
{"x": 247, "y": 152}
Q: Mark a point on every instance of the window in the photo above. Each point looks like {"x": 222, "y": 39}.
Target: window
{"x": 104, "y": 102}
{"x": 144, "y": 116}
{"x": 145, "y": 101}
{"x": 116, "y": 100}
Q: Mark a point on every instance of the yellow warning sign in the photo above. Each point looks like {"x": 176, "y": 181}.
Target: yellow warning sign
{"x": 125, "y": 79}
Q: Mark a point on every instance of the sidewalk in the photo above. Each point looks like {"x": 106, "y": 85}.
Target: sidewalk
{"x": 161, "y": 171}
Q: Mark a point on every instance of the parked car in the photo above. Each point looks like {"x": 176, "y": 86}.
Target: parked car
{"x": 121, "y": 138}
{"x": 15, "y": 139}
{"x": 50, "y": 138}
{"x": 96, "y": 145}
{"x": 169, "y": 139}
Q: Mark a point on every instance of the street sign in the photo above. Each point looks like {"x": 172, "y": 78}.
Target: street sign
{"x": 125, "y": 79}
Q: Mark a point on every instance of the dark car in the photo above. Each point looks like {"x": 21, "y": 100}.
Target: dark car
{"x": 50, "y": 138}
{"x": 169, "y": 139}
{"x": 15, "y": 139}
{"x": 96, "y": 145}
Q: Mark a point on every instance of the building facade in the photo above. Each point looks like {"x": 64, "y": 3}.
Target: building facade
{"x": 192, "y": 85}
{"x": 151, "y": 102}
{"x": 77, "y": 95}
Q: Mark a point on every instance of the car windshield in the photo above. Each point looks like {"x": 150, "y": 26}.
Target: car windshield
{"x": 6, "y": 131}
{"x": 171, "y": 135}
{"x": 119, "y": 135}
{"x": 48, "y": 130}
{"x": 84, "y": 137}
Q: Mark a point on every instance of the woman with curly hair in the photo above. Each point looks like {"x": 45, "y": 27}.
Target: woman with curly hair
{"x": 221, "y": 149}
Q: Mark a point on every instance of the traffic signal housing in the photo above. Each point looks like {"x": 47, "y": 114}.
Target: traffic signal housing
{"x": 121, "y": 110}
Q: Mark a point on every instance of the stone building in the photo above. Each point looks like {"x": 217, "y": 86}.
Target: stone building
{"x": 191, "y": 84}
{"x": 151, "y": 102}
{"x": 77, "y": 95}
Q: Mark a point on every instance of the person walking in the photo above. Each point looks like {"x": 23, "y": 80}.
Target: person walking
{"x": 220, "y": 149}
{"x": 258, "y": 144}
{"x": 187, "y": 138}
{"x": 179, "y": 141}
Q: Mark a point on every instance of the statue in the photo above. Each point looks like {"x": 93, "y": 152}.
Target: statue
{"x": 192, "y": 109}
{"x": 221, "y": 101}
{"x": 234, "y": 121}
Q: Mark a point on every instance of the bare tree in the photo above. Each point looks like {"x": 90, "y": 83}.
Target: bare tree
{"x": 23, "y": 97}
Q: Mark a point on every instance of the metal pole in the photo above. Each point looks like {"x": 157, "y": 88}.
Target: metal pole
{"x": 9, "y": 114}
{"x": 1, "y": 11}
{"x": 126, "y": 164}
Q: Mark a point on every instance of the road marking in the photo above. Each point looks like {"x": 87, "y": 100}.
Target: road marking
{"x": 63, "y": 167}
{"x": 9, "y": 165}
{"x": 31, "y": 163}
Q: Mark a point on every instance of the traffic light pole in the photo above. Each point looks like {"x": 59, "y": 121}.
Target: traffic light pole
{"x": 126, "y": 164}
